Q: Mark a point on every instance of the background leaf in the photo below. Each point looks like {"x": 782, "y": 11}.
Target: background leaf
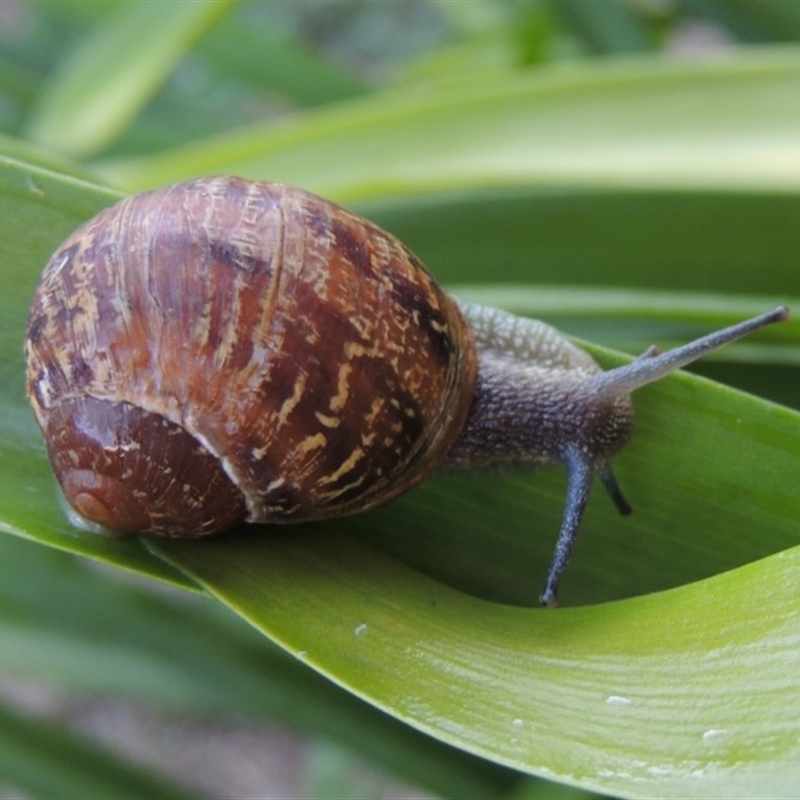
{"x": 711, "y": 125}
{"x": 49, "y": 762}
{"x": 108, "y": 78}
{"x": 576, "y": 192}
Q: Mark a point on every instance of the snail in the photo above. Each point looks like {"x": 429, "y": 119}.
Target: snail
{"x": 224, "y": 350}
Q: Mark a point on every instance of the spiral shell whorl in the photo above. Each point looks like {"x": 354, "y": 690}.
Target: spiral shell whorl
{"x": 302, "y": 346}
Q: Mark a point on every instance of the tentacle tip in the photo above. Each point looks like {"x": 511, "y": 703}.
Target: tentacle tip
{"x": 548, "y": 598}
{"x": 651, "y": 352}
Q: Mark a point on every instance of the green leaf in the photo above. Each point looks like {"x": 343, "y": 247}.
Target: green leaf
{"x": 739, "y": 241}
{"x": 28, "y": 153}
{"x": 609, "y": 27}
{"x": 246, "y": 48}
{"x": 722, "y": 124}
{"x": 751, "y": 20}
{"x": 114, "y": 72}
{"x": 686, "y": 693}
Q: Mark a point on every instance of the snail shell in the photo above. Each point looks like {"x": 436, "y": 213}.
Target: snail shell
{"x": 225, "y": 350}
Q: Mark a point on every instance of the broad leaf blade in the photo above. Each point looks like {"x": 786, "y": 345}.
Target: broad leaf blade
{"x": 686, "y": 693}
{"x": 711, "y": 125}
{"x": 737, "y": 241}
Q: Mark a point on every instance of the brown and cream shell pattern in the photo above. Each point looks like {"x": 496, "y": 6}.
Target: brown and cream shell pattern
{"x": 224, "y": 350}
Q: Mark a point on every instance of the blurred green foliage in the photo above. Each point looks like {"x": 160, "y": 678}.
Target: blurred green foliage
{"x": 627, "y": 169}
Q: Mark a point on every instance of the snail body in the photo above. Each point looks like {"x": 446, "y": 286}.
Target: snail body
{"x": 223, "y": 351}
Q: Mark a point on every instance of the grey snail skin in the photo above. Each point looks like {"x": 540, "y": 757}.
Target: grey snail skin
{"x": 225, "y": 351}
